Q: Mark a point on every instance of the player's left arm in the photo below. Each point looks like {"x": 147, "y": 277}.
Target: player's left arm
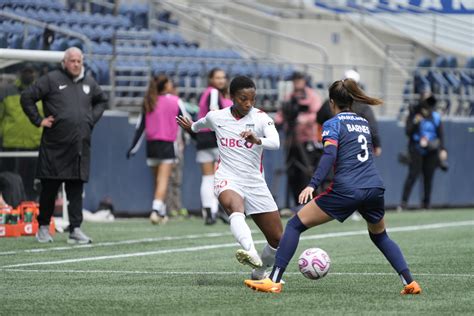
{"x": 270, "y": 139}
{"x": 330, "y": 141}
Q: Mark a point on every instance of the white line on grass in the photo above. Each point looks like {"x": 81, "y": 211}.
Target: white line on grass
{"x": 120, "y": 242}
{"x": 228, "y": 245}
{"x": 459, "y": 275}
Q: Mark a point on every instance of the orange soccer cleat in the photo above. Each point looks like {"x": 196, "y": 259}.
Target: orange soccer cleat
{"x": 265, "y": 285}
{"x": 412, "y": 288}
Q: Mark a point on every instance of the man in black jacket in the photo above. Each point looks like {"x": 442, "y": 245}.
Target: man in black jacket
{"x": 73, "y": 103}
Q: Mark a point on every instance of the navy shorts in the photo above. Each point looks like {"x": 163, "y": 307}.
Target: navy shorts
{"x": 340, "y": 205}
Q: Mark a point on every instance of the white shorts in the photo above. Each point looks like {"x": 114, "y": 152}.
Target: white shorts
{"x": 207, "y": 155}
{"x": 154, "y": 162}
{"x": 257, "y": 199}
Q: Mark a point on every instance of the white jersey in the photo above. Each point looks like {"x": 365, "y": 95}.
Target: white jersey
{"x": 240, "y": 160}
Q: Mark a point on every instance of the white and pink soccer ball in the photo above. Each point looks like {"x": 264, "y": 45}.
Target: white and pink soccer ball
{"x": 314, "y": 263}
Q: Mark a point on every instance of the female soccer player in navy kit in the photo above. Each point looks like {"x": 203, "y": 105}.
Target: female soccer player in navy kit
{"x": 356, "y": 186}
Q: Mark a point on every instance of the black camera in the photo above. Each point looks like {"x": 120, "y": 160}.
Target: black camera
{"x": 292, "y": 108}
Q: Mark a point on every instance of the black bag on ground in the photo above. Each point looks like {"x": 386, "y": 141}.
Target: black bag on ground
{"x": 12, "y": 189}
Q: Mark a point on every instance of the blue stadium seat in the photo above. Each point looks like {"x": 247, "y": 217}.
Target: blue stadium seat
{"x": 59, "y": 44}
{"x": 107, "y": 33}
{"x": 287, "y": 73}
{"x": 424, "y": 62}
{"x": 32, "y": 42}
{"x": 437, "y": 81}
{"x": 76, "y": 43}
{"x": 34, "y": 30}
{"x": 13, "y": 27}
{"x": 15, "y": 41}
{"x": 3, "y": 40}
{"x": 94, "y": 70}
{"x": 470, "y": 63}
{"x": 420, "y": 83}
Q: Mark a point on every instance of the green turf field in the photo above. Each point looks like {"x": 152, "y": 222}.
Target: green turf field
{"x": 187, "y": 268}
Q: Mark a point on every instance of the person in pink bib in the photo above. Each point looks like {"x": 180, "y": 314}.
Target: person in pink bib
{"x": 158, "y": 123}
{"x": 213, "y": 98}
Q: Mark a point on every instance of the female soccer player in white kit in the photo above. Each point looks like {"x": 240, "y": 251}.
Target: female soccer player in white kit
{"x": 243, "y": 132}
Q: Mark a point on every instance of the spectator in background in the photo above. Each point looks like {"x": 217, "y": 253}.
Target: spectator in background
{"x": 17, "y": 132}
{"x": 298, "y": 116}
{"x": 365, "y": 111}
{"x": 425, "y": 148}
{"x": 158, "y": 121}
{"x": 213, "y": 98}
{"x": 73, "y": 103}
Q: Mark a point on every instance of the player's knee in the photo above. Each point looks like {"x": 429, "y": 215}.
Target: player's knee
{"x": 295, "y": 223}
{"x": 377, "y": 237}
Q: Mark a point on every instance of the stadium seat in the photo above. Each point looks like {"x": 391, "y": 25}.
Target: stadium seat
{"x": 424, "y": 62}
{"x": 59, "y": 44}
{"x": 32, "y": 42}
{"x": 420, "y": 83}
{"x": 15, "y": 41}
{"x": 3, "y": 40}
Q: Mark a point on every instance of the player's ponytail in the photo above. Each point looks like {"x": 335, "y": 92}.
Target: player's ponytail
{"x": 156, "y": 87}
{"x": 345, "y": 92}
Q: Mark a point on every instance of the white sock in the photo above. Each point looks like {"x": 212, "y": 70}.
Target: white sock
{"x": 215, "y": 205}
{"x": 268, "y": 258}
{"x": 241, "y": 231}
{"x": 207, "y": 191}
{"x": 160, "y": 207}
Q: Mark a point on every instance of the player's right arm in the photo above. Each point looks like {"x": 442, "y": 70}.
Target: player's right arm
{"x": 193, "y": 127}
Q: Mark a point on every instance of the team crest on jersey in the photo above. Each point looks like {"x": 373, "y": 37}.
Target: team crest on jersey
{"x": 250, "y": 127}
{"x": 86, "y": 88}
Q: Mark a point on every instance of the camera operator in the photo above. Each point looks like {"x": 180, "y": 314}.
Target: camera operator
{"x": 425, "y": 147}
{"x": 298, "y": 117}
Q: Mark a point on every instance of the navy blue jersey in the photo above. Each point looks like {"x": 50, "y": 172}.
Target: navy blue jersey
{"x": 354, "y": 167}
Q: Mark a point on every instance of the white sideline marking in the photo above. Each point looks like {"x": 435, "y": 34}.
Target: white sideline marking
{"x": 120, "y": 242}
{"x": 460, "y": 275}
{"x": 228, "y": 245}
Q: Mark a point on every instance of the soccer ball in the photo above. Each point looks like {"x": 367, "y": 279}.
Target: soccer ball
{"x": 314, "y": 263}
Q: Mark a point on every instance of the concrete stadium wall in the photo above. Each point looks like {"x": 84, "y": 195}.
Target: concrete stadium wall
{"x": 129, "y": 183}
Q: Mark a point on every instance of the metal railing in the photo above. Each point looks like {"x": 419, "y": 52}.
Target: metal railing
{"x": 270, "y": 34}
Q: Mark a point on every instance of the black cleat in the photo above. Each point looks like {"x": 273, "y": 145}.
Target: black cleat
{"x": 208, "y": 218}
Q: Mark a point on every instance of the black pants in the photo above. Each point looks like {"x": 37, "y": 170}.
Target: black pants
{"x": 301, "y": 161}
{"x": 425, "y": 164}
{"x": 49, "y": 190}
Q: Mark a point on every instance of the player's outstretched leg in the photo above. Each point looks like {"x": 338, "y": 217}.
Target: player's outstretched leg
{"x": 271, "y": 227}
{"x": 248, "y": 254}
{"x": 233, "y": 203}
{"x": 394, "y": 255}
{"x": 310, "y": 215}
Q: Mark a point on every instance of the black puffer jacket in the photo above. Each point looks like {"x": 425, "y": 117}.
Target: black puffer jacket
{"x": 76, "y": 105}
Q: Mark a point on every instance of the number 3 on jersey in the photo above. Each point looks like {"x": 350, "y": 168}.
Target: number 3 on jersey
{"x": 363, "y": 157}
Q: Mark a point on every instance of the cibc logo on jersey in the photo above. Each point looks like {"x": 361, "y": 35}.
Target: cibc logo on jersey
{"x": 235, "y": 143}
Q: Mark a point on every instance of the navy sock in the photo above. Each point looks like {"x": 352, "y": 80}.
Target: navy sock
{"x": 393, "y": 254}
{"x": 287, "y": 247}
